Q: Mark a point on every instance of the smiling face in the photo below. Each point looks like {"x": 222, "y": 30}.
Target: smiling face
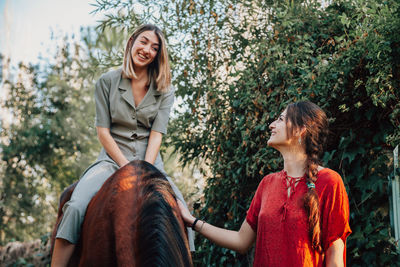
{"x": 279, "y": 134}
{"x": 144, "y": 49}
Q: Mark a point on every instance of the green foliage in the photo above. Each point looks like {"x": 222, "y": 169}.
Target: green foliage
{"x": 236, "y": 65}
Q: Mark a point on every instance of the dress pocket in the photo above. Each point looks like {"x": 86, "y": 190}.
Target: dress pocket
{"x": 121, "y": 111}
{"x": 146, "y": 115}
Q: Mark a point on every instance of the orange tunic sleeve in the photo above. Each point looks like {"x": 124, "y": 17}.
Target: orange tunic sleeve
{"x": 334, "y": 210}
{"x": 255, "y": 206}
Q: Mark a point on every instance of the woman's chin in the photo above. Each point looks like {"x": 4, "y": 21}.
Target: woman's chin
{"x": 273, "y": 144}
{"x": 139, "y": 64}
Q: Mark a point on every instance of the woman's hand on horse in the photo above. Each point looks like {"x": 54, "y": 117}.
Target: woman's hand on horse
{"x": 185, "y": 213}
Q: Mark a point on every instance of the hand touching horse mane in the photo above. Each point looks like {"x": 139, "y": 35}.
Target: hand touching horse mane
{"x": 133, "y": 220}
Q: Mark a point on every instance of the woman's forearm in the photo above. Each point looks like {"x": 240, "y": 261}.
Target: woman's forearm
{"x": 153, "y": 146}
{"x": 239, "y": 241}
{"x": 111, "y": 147}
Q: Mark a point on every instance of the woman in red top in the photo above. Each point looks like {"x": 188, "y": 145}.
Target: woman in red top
{"x": 300, "y": 215}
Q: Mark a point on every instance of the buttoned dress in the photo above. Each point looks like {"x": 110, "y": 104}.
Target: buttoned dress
{"x": 130, "y": 127}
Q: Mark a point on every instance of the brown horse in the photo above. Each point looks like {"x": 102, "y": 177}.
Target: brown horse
{"x": 133, "y": 220}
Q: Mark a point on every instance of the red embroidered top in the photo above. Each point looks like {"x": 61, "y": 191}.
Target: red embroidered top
{"x": 281, "y": 224}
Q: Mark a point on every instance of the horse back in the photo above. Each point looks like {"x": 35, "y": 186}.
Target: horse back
{"x": 133, "y": 220}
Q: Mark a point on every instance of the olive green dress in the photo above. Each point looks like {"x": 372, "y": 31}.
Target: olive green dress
{"x": 130, "y": 127}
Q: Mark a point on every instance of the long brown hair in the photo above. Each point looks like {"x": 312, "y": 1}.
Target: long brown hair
{"x": 314, "y": 120}
{"x": 159, "y": 69}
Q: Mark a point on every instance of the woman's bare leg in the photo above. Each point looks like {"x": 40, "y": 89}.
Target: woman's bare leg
{"x": 62, "y": 252}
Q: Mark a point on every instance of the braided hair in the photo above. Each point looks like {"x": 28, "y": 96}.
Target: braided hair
{"x": 313, "y": 119}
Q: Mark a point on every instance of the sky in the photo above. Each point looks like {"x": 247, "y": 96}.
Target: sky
{"x": 26, "y": 26}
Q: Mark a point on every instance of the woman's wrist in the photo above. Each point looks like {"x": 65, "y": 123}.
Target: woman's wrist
{"x": 197, "y": 225}
{"x": 194, "y": 224}
{"x": 123, "y": 163}
{"x": 190, "y": 222}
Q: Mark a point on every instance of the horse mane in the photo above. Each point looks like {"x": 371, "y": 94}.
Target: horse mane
{"x": 160, "y": 240}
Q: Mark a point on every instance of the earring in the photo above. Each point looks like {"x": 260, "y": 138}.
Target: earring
{"x": 299, "y": 140}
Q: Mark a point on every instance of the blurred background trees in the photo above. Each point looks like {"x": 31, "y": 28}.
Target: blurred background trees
{"x": 236, "y": 65}
{"x": 47, "y": 141}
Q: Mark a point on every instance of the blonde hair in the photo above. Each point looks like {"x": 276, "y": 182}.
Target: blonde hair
{"x": 159, "y": 69}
